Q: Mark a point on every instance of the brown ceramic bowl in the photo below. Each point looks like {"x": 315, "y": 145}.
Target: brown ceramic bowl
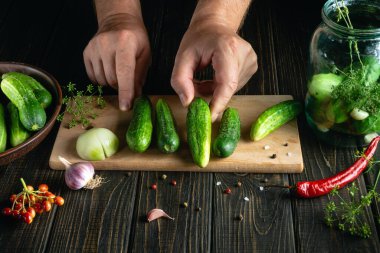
{"x": 52, "y": 111}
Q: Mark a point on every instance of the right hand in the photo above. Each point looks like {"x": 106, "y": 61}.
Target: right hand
{"x": 119, "y": 55}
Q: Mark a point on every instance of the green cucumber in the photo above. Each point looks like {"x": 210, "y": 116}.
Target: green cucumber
{"x": 17, "y": 132}
{"x": 3, "y": 130}
{"x": 139, "y": 133}
{"x": 42, "y": 94}
{"x": 322, "y": 85}
{"x": 167, "y": 136}
{"x": 32, "y": 115}
{"x": 371, "y": 70}
{"x": 274, "y": 117}
{"x": 198, "y": 124}
{"x": 336, "y": 111}
{"x": 229, "y": 133}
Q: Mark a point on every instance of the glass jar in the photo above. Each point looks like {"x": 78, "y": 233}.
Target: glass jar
{"x": 343, "y": 100}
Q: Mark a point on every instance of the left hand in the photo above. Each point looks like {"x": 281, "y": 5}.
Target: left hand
{"x": 232, "y": 58}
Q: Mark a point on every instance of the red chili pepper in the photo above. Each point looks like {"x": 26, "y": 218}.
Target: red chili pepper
{"x": 312, "y": 189}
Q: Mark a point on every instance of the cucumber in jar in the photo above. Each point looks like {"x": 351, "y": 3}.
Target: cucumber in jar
{"x": 322, "y": 85}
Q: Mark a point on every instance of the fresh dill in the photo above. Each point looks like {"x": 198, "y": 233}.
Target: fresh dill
{"x": 80, "y": 104}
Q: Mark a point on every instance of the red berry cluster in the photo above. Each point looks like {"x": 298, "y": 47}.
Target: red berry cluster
{"x": 27, "y": 203}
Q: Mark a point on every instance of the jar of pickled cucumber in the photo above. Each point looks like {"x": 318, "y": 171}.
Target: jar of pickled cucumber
{"x": 343, "y": 100}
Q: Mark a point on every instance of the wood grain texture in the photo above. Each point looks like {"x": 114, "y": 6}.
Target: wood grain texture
{"x": 190, "y": 230}
{"x": 322, "y": 161}
{"x": 267, "y": 224}
{"x": 96, "y": 220}
{"x": 53, "y": 34}
{"x": 15, "y": 236}
{"x": 248, "y": 157}
{"x": 294, "y": 22}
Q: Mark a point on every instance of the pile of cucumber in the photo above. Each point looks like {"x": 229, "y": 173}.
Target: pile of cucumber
{"x": 198, "y": 124}
{"x": 25, "y": 112}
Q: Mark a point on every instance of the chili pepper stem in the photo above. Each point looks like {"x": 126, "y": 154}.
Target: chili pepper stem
{"x": 279, "y": 186}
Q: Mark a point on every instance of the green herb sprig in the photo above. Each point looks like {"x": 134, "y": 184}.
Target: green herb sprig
{"x": 81, "y": 104}
{"x": 349, "y": 215}
{"x": 360, "y": 89}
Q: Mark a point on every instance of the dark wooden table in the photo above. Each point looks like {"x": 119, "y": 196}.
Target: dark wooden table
{"x": 53, "y": 34}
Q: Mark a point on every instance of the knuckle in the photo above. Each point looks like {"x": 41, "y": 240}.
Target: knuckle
{"x": 232, "y": 43}
{"x": 232, "y": 86}
{"x": 102, "y": 39}
{"x": 125, "y": 35}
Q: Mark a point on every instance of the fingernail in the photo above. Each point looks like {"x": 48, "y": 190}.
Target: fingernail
{"x": 182, "y": 98}
{"x": 124, "y": 105}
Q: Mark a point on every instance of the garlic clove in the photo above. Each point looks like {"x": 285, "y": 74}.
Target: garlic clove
{"x": 157, "y": 213}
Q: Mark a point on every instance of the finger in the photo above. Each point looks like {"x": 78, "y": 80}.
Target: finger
{"x": 99, "y": 71}
{"x": 226, "y": 80}
{"x": 125, "y": 73}
{"x": 88, "y": 65}
{"x": 109, "y": 64}
{"x": 89, "y": 70}
{"x": 142, "y": 65}
{"x": 183, "y": 74}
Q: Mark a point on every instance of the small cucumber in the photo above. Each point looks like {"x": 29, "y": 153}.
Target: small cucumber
{"x": 370, "y": 70}
{"x": 17, "y": 132}
{"x": 139, "y": 133}
{"x": 229, "y": 133}
{"x": 198, "y": 124}
{"x": 3, "y": 130}
{"x": 167, "y": 136}
{"x": 274, "y": 117}
{"x": 42, "y": 94}
{"x": 32, "y": 115}
{"x": 322, "y": 85}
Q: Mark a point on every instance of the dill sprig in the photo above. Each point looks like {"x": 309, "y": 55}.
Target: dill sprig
{"x": 360, "y": 88}
{"x": 349, "y": 215}
{"x": 81, "y": 104}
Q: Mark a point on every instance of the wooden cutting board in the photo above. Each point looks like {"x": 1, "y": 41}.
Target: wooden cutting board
{"x": 249, "y": 156}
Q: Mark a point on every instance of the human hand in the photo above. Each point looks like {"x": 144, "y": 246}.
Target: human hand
{"x": 119, "y": 55}
{"x": 232, "y": 58}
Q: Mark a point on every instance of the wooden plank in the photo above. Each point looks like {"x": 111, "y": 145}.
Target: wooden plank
{"x": 267, "y": 224}
{"x": 96, "y": 220}
{"x": 190, "y": 230}
{"x": 322, "y": 161}
{"x": 370, "y": 179}
{"x": 16, "y": 236}
{"x": 292, "y": 37}
{"x": 248, "y": 157}
{"x": 25, "y": 30}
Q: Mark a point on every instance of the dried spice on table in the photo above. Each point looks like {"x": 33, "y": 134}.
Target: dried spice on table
{"x": 312, "y": 189}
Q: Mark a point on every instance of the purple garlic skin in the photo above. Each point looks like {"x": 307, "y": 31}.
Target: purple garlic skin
{"x": 78, "y": 175}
